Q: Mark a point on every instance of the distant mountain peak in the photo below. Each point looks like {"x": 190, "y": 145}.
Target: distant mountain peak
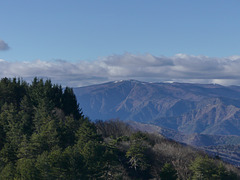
{"x": 129, "y": 80}
{"x": 119, "y": 81}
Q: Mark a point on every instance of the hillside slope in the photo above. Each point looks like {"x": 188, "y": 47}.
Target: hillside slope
{"x": 226, "y": 147}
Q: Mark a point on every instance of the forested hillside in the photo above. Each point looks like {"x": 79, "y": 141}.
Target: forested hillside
{"x": 44, "y": 135}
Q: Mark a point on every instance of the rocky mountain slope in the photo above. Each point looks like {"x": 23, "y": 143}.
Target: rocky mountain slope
{"x": 186, "y": 108}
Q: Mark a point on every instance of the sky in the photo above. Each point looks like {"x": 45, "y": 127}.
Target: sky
{"x": 84, "y": 42}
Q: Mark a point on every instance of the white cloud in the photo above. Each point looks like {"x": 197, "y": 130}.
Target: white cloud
{"x": 3, "y": 45}
{"x": 179, "y": 68}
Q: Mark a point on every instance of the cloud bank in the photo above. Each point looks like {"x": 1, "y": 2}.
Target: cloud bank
{"x": 178, "y": 68}
{"x": 3, "y": 45}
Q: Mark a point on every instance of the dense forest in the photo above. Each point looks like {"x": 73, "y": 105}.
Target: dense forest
{"x": 44, "y": 135}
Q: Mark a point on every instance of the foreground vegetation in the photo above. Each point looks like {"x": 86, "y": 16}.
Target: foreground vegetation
{"x": 44, "y": 135}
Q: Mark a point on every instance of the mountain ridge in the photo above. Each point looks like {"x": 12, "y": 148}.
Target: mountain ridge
{"x": 188, "y": 108}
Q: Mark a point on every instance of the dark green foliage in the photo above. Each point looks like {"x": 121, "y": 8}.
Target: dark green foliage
{"x": 2, "y": 136}
{"x": 44, "y": 135}
{"x": 168, "y": 172}
{"x": 74, "y": 164}
{"x": 70, "y": 105}
{"x": 206, "y": 168}
{"x": 8, "y": 171}
{"x": 138, "y": 137}
{"x": 26, "y": 114}
{"x": 66, "y": 130}
{"x": 137, "y": 157}
{"x": 12, "y": 91}
{"x": 87, "y": 132}
{"x": 53, "y": 164}
{"x": 33, "y": 122}
{"x": 26, "y": 169}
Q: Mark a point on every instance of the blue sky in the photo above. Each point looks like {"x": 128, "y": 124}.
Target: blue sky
{"x": 88, "y": 31}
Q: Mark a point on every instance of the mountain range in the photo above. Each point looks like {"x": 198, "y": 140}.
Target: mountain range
{"x": 187, "y": 108}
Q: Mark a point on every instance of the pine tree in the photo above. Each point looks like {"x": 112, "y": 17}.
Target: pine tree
{"x": 70, "y": 105}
